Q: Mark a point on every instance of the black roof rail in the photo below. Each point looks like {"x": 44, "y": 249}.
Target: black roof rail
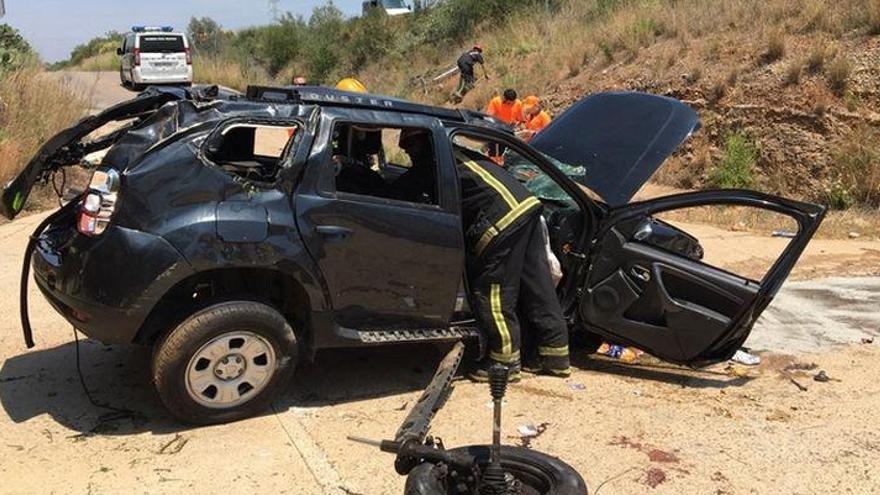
{"x": 321, "y": 95}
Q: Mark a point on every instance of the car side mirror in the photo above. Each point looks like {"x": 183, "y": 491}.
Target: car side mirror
{"x": 119, "y": 51}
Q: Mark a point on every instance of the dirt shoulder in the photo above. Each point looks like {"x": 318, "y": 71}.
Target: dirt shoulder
{"x": 646, "y": 428}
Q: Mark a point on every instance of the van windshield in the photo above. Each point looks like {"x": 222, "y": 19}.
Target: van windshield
{"x": 162, "y": 44}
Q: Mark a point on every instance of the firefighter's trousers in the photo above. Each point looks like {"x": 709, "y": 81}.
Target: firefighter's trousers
{"x": 511, "y": 281}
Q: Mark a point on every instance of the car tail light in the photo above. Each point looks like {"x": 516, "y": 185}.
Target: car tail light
{"x": 98, "y": 203}
{"x": 137, "y": 57}
{"x": 189, "y": 58}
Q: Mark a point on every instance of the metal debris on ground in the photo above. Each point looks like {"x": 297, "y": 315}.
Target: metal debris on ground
{"x": 577, "y": 386}
{"x": 783, "y": 233}
{"x": 798, "y": 385}
{"x": 821, "y": 376}
{"x": 174, "y": 445}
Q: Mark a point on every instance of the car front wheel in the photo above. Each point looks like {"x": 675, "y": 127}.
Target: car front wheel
{"x": 225, "y": 362}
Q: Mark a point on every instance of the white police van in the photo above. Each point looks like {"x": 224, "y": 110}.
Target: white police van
{"x": 154, "y": 55}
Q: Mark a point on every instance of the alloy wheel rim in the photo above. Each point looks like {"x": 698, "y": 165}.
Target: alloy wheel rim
{"x": 230, "y": 369}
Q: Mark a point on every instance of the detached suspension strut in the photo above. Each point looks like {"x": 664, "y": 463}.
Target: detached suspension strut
{"x": 495, "y": 480}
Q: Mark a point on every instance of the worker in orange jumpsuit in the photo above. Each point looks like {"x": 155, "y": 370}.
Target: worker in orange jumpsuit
{"x": 508, "y": 109}
{"x": 535, "y": 117}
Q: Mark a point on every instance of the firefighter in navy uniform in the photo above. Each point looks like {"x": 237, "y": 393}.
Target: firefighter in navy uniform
{"x": 507, "y": 269}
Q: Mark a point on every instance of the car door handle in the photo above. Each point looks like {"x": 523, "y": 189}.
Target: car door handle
{"x": 333, "y": 232}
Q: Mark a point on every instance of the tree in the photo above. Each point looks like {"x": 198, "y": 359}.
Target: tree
{"x": 205, "y": 34}
{"x": 14, "y": 49}
{"x": 325, "y": 42}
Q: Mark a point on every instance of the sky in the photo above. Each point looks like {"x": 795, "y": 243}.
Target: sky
{"x": 54, "y": 27}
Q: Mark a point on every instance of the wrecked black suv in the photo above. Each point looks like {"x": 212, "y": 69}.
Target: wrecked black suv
{"x": 239, "y": 233}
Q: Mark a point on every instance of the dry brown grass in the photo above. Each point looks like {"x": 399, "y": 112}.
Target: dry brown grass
{"x": 107, "y": 61}
{"x": 837, "y": 224}
{"x": 229, "y": 73}
{"x": 33, "y": 108}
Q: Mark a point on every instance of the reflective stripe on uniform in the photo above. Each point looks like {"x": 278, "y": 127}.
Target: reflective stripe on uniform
{"x": 488, "y": 179}
{"x": 500, "y": 322}
{"x": 553, "y": 351}
{"x": 512, "y": 358}
{"x": 505, "y": 222}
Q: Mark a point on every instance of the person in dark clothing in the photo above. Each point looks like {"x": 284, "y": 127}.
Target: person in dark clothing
{"x": 466, "y": 80}
{"x": 506, "y": 263}
{"x": 507, "y": 269}
{"x": 419, "y": 183}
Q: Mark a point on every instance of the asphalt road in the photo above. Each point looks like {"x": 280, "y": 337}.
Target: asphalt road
{"x": 99, "y": 89}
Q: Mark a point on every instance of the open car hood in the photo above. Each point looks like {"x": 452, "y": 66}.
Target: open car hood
{"x": 620, "y": 138}
{"x": 66, "y": 148}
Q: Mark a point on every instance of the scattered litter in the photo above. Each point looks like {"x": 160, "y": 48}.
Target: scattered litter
{"x": 783, "y": 233}
{"x": 798, "y": 385}
{"x": 821, "y": 376}
{"x": 402, "y": 407}
{"x": 742, "y": 356}
{"x": 625, "y": 354}
{"x": 637, "y": 393}
{"x": 174, "y": 445}
{"x": 854, "y": 235}
{"x": 867, "y": 340}
{"x": 529, "y": 432}
{"x": 577, "y": 386}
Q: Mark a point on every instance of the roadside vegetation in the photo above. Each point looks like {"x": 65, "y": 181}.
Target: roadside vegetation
{"x": 32, "y": 106}
{"x": 785, "y": 88}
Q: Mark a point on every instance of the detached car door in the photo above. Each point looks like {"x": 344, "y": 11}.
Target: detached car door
{"x": 646, "y": 283}
{"x": 387, "y": 264}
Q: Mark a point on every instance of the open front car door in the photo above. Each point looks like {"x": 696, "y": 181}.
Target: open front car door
{"x": 648, "y": 285}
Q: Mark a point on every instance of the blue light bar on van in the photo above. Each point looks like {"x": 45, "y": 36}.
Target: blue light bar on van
{"x": 144, "y": 29}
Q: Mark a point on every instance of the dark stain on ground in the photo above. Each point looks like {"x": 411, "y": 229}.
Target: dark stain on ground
{"x": 654, "y": 454}
{"x": 657, "y": 455}
{"x": 654, "y": 476}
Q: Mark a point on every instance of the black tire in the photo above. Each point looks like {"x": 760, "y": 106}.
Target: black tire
{"x": 540, "y": 473}
{"x": 176, "y": 350}
{"x": 122, "y": 81}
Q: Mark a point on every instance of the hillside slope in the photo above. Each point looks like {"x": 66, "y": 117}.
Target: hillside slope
{"x": 788, "y": 89}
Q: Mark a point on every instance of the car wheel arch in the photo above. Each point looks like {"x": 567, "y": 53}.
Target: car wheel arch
{"x": 275, "y": 288}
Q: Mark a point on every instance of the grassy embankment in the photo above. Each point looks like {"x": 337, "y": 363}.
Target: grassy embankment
{"x": 33, "y": 107}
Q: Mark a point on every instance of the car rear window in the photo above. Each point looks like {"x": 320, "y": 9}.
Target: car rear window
{"x": 161, "y": 44}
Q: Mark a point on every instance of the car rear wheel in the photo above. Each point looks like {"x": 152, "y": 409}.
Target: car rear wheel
{"x": 225, "y": 362}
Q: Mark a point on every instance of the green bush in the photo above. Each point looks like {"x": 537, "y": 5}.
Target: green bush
{"x": 15, "y": 52}
{"x": 858, "y": 166}
{"x": 96, "y": 46}
{"x": 735, "y": 169}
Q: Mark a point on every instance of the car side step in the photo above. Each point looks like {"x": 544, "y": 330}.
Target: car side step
{"x": 419, "y": 335}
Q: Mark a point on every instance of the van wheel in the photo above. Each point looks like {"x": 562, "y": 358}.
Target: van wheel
{"x": 225, "y": 362}
{"x": 122, "y": 79}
